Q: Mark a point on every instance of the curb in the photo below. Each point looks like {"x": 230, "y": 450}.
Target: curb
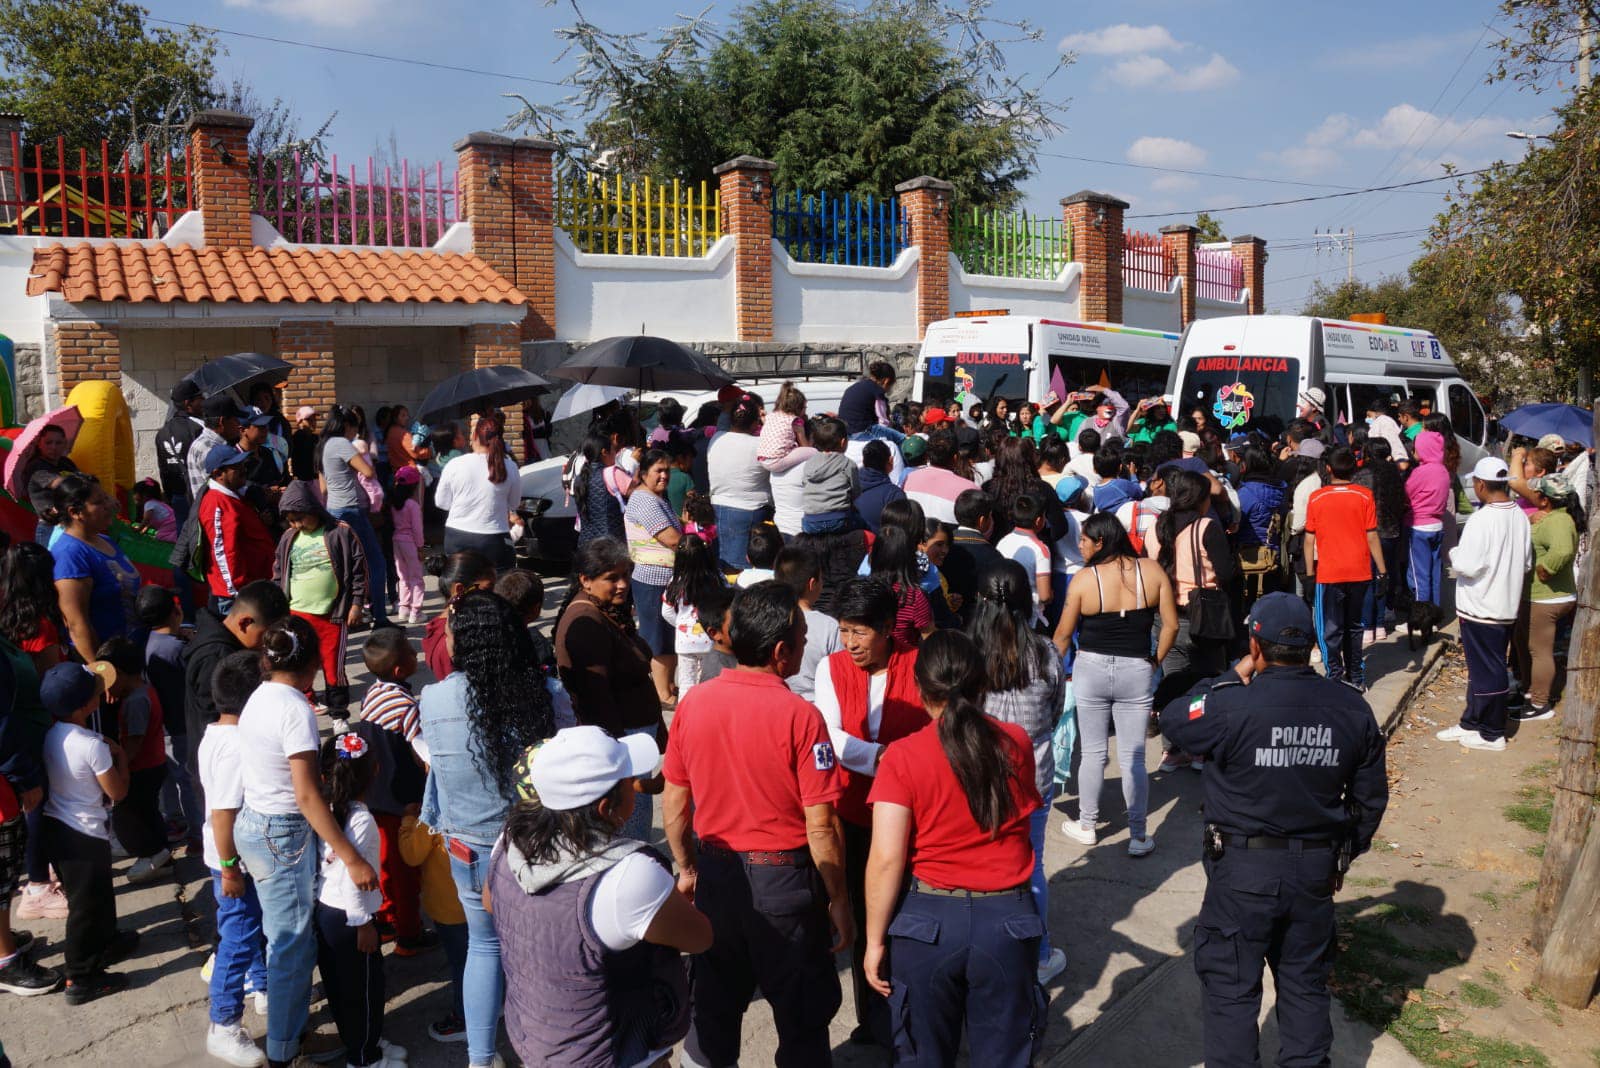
{"x": 1431, "y": 666}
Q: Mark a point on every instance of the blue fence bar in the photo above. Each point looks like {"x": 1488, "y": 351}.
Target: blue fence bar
{"x": 848, "y": 230}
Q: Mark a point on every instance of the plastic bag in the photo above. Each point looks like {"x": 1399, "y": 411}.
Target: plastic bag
{"x": 1065, "y": 738}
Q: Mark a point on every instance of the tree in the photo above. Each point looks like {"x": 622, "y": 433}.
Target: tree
{"x": 91, "y": 70}
{"x": 841, "y": 98}
{"x": 1210, "y": 227}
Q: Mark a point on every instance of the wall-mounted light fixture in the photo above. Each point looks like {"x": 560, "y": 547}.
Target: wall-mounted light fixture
{"x": 757, "y": 187}
{"x": 494, "y": 176}
{"x": 223, "y": 155}
{"x": 1099, "y": 216}
{"x": 939, "y": 205}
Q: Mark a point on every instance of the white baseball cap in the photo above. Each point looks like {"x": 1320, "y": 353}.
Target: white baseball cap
{"x": 580, "y": 765}
{"x": 1191, "y": 440}
{"x": 1491, "y": 469}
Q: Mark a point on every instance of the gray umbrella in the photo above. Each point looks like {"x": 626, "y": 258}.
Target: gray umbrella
{"x": 642, "y": 363}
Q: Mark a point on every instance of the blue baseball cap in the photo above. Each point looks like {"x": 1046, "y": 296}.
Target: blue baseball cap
{"x": 1069, "y": 487}
{"x": 1283, "y": 619}
{"x": 224, "y": 455}
{"x": 67, "y": 687}
{"x": 257, "y": 417}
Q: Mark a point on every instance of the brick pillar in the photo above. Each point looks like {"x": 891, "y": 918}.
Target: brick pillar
{"x": 309, "y": 346}
{"x": 1095, "y": 220}
{"x": 1178, "y": 242}
{"x": 499, "y": 344}
{"x": 221, "y": 190}
{"x": 927, "y": 205}
{"x": 1252, "y": 252}
{"x": 84, "y": 352}
{"x": 744, "y": 186}
{"x": 533, "y": 202}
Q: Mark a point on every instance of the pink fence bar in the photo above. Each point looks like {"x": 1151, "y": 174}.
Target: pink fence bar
{"x": 75, "y": 193}
{"x": 1145, "y": 264}
{"x": 1218, "y": 274}
{"x": 312, "y": 203}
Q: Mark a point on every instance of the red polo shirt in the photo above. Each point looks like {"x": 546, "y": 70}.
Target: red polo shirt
{"x": 755, "y": 755}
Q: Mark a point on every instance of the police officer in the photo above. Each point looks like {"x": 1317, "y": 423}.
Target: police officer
{"x": 1294, "y": 787}
{"x": 765, "y": 860}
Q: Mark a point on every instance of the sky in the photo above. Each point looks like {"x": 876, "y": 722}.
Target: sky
{"x": 1175, "y": 105}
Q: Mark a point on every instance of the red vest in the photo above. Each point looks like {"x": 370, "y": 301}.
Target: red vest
{"x": 903, "y": 714}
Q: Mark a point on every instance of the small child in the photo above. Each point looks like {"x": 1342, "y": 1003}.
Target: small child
{"x": 158, "y": 611}
{"x": 391, "y": 726}
{"x": 524, "y": 591}
{"x": 695, "y": 574}
{"x": 405, "y": 512}
{"x": 348, "y": 945}
{"x": 153, "y": 510}
{"x": 716, "y": 616}
{"x": 423, "y": 848}
{"x": 240, "y": 961}
{"x": 832, "y": 482}
{"x": 763, "y": 549}
{"x": 700, "y": 517}
{"x": 136, "y": 819}
{"x": 83, "y": 770}
{"x": 784, "y": 441}
{"x": 321, "y": 567}
{"x": 1025, "y": 546}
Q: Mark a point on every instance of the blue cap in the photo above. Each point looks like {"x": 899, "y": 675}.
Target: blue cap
{"x": 66, "y": 688}
{"x": 257, "y": 417}
{"x": 1069, "y": 487}
{"x": 1283, "y": 619}
{"x": 224, "y": 455}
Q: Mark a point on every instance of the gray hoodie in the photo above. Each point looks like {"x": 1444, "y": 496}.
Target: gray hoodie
{"x": 832, "y": 483}
{"x": 568, "y": 867}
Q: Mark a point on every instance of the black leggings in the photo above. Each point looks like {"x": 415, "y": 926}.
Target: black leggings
{"x": 353, "y": 982}
{"x": 497, "y": 547}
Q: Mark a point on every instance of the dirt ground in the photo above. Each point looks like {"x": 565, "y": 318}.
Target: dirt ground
{"x": 1434, "y": 922}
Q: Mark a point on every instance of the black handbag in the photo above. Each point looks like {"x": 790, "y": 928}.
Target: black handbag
{"x": 1210, "y": 610}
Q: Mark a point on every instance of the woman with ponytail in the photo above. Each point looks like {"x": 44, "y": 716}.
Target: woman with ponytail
{"x": 480, "y": 492}
{"x": 283, "y": 816}
{"x": 952, "y": 803}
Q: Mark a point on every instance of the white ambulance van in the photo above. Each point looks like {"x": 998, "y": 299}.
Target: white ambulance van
{"x": 1024, "y": 357}
{"x": 1246, "y": 372}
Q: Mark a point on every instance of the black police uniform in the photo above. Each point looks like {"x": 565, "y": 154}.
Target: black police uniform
{"x": 1295, "y": 772}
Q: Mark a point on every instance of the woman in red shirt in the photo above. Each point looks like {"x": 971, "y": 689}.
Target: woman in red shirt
{"x": 952, "y": 801}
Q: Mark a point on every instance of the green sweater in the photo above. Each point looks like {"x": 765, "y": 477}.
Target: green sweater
{"x": 1141, "y": 432}
{"x": 1555, "y": 544}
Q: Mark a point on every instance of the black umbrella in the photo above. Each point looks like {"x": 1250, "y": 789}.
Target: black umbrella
{"x": 642, "y": 363}
{"x": 479, "y": 389}
{"x": 240, "y": 372}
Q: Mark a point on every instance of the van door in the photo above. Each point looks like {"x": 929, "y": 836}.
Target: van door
{"x": 1468, "y": 421}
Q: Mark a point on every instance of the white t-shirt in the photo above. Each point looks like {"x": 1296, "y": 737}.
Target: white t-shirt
{"x": 627, "y": 898}
{"x": 74, "y": 758}
{"x": 752, "y": 575}
{"x": 788, "y": 499}
{"x": 276, "y": 723}
{"x": 338, "y": 891}
{"x": 1027, "y": 550}
{"x": 856, "y": 450}
{"x": 219, "y": 779}
{"x": 737, "y": 481}
{"x": 857, "y": 754}
{"x": 1149, "y": 509}
{"x": 476, "y": 505}
{"x": 1082, "y": 465}
{"x": 689, "y": 637}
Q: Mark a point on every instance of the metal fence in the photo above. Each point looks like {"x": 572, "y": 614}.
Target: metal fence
{"x": 1145, "y": 264}
{"x": 312, "y": 203}
{"x": 847, "y": 230}
{"x": 1010, "y": 244}
{"x": 64, "y": 193}
{"x": 1219, "y": 275}
{"x": 637, "y": 217}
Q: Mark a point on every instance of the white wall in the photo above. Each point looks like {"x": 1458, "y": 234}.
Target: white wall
{"x": 1049, "y": 298}
{"x": 814, "y": 302}
{"x": 1151, "y": 310}
{"x": 1211, "y": 308}
{"x": 687, "y": 299}
{"x": 22, "y": 317}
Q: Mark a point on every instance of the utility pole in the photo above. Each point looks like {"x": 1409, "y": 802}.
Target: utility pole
{"x": 1340, "y": 240}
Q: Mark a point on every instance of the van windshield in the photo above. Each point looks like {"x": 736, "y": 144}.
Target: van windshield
{"x": 974, "y": 376}
{"x": 1241, "y": 393}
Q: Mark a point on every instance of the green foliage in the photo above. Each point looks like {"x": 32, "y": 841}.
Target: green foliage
{"x": 842, "y": 97}
{"x": 1210, "y": 227}
{"x": 89, "y": 70}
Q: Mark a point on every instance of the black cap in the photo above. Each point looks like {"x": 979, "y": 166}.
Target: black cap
{"x": 1282, "y": 619}
{"x": 185, "y": 391}
{"x": 223, "y": 405}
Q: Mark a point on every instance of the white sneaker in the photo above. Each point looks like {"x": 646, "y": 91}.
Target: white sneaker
{"x": 1453, "y": 734}
{"x": 1141, "y": 847}
{"x": 146, "y": 869}
{"x": 1368, "y": 637}
{"x": 392, "y": 1051}
{"x": 1053, "y": 965}
{"x": 228, "y": 1042}
{"x": 1078, "y": 832}
{"x": 258, "y": 1001}
{"x": 340, "y": 726}
{"x": 1474, "y": 740}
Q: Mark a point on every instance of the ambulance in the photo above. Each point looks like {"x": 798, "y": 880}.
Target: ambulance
{"x": 1025, "y": 357}
{"x": 1246, "y": 372}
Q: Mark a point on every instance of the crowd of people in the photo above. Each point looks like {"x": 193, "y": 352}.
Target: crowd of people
{"x": 855, "y": 655}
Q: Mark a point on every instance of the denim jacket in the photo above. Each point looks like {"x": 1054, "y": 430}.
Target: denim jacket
{"x": 460, "y": 798}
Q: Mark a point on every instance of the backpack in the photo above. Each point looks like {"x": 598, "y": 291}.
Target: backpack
{"x": 1133, "y": 531}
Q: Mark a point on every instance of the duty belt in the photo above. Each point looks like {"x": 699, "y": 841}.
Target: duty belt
{"x": 1267, "y": 841}
{"x": 937, "y": 891}
{"x": 763, "y": 858}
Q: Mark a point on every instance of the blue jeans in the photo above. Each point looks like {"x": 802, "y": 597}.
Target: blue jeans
{"x": 453, "y": 936}
{"x": 239, "y": 961}
{"x": 733, "y": 533}
{"x": 1427, "y": 565}
{"x": 1376, "y": 607}
{"x": 838, "y": 521}
{"x": 483, "y": 985}
{"x": 1038, "y": 884}
{"x": 638, "y": 825}
{"x": 377, "y": 563}
{"x": 177, "y": 793}
{"x": 281, "y": 853}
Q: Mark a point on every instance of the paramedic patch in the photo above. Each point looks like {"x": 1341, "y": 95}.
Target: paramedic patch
{"x": 1294, "y": 747}
{"x": 822, "y": 755}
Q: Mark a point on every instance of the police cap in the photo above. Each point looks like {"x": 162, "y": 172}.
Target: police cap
{"x": 1282, "y": 619}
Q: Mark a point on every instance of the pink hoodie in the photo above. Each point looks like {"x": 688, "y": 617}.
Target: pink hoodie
{"x": 1428, "y": 487}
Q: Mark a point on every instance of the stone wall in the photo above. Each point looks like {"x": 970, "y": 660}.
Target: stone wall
{"x": 30, "y": 381}
{"x": 154, "y": 360}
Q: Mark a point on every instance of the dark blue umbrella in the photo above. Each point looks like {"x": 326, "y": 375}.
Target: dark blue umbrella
{"x": 1536, "y": 420}
{"x": 478, "y": 390}
{"x": 239, "y": 372}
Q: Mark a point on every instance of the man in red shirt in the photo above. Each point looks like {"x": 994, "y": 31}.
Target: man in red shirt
{"x": 765, "y": 858}
{"x": 239, "y": 547}
{"x": 1342, "y": 554}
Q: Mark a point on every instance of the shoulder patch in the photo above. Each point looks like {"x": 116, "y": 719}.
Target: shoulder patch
{"x": 822, "y": 756}
{"x": 1197, "y": 708}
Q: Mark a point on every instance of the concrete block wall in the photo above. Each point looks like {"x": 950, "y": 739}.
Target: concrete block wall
{"x": 154, "y": 360}
{"x": 375, "y": 366}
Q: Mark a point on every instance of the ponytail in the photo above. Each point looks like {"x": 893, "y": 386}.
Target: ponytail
{"x": 487, "y": 433}
{"x": 950, "y": 670}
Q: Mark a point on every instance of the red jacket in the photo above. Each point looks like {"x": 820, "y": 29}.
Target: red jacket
{"x": 241, "y": 548}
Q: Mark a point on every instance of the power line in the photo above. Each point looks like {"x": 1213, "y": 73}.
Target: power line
{"x": 362, "y": 55}
{"x": 1306, "y": 200}
{"x": 1325, "y": 270}
{"x": 1204, "y": 174}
